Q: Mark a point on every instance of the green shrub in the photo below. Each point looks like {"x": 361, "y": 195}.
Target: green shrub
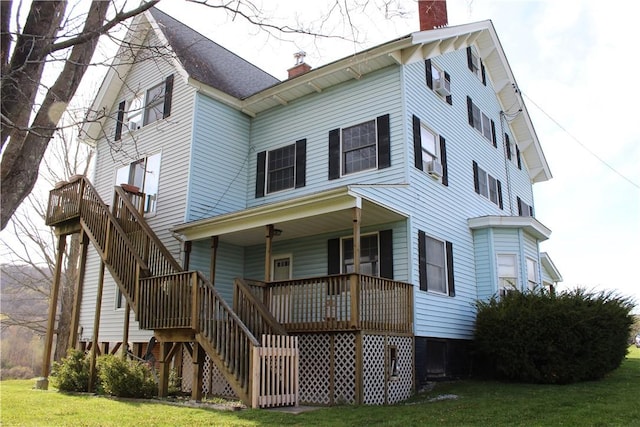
{"x": 72, "y": 373}
{"x": 553, "y": 339}
{"x": 125, "y": 378}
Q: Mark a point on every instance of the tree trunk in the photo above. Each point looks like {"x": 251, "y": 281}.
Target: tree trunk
{"x": 67, "y": 291}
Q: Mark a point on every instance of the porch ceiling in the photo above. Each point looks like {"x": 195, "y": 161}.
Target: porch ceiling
{"x": 319, "y": 213}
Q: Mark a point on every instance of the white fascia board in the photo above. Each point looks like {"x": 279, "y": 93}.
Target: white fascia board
{"x": 550, "y": 267}
{"x": 287, "y": 210}
{"x": 529, "y": 224}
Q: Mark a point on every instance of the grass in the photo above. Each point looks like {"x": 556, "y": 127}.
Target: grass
{"x": 613, "y": 401}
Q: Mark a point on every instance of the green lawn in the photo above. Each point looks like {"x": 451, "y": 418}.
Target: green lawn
{"x": 614, "y": 401}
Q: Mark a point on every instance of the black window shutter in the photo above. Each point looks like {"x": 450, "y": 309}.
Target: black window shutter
{"x": 469, "y": 58}
{"x": 417, "y": 143}
{"x": 428, "y": 75}
{"x": 333, "y": 256}
{"x": 443, "y": 160}
{"x": 450, "y": 282}
{"x": 301, "y": 163}
{"x": 476, "y": 183}
{"x": 386, "y": 254}
{"x": 508, "y": 144}
{"x": 484, "y": 76}
{"x": 384, "y": 142}
{"x": 493, "y": 134}
{"x": 518, "y": 158}
{"x": 119, "y": 121}
{"x": 470, "y": 110}
{"x": 447, "y": 77}
{"x": 519, "y": 201}
{"x": 530, "y": 210}
{"x": 168, "y": 95}
{"x": 260, "y": 173}
{"x": 334, "y": 154}
{"x": 500, "y": 194}
{"x": 422, "y": 259}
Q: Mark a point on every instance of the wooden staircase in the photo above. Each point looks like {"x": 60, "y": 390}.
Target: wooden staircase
{"x": 181, "y": 304}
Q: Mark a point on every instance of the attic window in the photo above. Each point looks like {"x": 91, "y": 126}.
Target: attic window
{"x": 134, "y": 114}
{"x": 475, "y": 64}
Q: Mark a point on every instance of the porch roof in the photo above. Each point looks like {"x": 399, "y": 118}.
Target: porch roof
{"x": 312, "y": 214}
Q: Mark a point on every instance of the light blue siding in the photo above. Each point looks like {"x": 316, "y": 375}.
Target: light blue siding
{"x": 229, "y": 265}
{"x": 314, "y": 116}
{"x": 220, "y": 151}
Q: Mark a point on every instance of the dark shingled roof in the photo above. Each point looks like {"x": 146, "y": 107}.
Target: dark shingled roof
{"x": 210, "y": 63}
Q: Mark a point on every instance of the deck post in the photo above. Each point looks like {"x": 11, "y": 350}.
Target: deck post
{"x": 198, "y": 363}
{"x": 125, "y": 329}
{"x": 165, "y": 360}
{"x": 96, "y": 328}
{"x": 77, "y": 295}
{"x": 53, "y": 306}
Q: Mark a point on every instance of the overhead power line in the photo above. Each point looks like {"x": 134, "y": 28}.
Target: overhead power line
{"x": 600, "y": 159}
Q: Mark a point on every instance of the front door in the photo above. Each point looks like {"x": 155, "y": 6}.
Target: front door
{"x": 281, "y": 268}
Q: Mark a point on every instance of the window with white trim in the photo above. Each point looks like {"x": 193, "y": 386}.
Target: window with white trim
{"x": 281, "y": 164}
{"x": 435, "y": 265}
{"x": 144, "y": 174}
{"x": 507, "y": 274}
{"x": 430, "y": 145}
{"x": 359, "y": 147}
{"x": 487, "y": 185}
{"x": 481, "y": 122}
{"x": 475, "y": 64}
{"x": 142, "y": 109}
{"x": 369, "y": 255}
{"x": 532, "y": 274}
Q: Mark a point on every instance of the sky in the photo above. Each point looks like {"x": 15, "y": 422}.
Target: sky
{"x": 574, "y": 62}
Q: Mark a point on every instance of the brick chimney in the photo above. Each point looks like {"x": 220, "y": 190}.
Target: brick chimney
{"x": 301, "y": 67}
{"x": 433, "y": 14}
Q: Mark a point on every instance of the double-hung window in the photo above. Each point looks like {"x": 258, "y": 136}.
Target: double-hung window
{"x": 435, "y": 265}
{"x": 144, "y": 174}
{"x": 282, "y": 168}
{"x": 369, "y": 255}
{"x": 360, "y": 147}
{"x": 481, "y": 122}
{"x": 438, "y": 80}
{"x": 532, "y": 274}
{"x": 487, "y": 186}
{"x": 143, "y": 109}
{"x": 507, "y": 274}
{"x": 430, "y": 151}
{"x": 474, "y": 62}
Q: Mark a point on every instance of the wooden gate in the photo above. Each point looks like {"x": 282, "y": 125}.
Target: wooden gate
{"x": 275, "y": 372}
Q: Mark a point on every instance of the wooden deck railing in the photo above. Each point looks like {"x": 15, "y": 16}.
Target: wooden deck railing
{"x": 253, "y": 312}
{"x": 339, "y": 302}
{"x": 162, "y": 294}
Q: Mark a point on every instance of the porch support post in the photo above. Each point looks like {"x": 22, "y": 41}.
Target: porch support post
{"x": 77, "y": 295}
{"x": 125, "y": 329}
{"x": 53, "y": 307}
{"x": 357, "y": 217}
{"x": 214, "y": 258}
{"x": 187, "y": 255}
{"x": 165, "y": 360}
{"x": 198, "y": 362}
{"x": 96, "y": 328}
{"x": 267, "y": 254}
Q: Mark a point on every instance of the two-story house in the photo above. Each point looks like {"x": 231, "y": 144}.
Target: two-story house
{"x": 362, "y": 207}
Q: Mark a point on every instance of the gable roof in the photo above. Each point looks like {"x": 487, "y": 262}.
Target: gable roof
{"x": 210, "y": 63}
{"x": 212, "y": 69}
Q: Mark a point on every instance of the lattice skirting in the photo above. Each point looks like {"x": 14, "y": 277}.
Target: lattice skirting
{"x": 379, "y": 386}
{"x": 328, "y": 370}
{"x": 213, "y": 382}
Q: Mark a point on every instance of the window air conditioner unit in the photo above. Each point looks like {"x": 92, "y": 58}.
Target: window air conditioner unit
{"x": 434, "y": 168}
{"x": 133, "y": 126}
{"x": 442, "y": 86}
